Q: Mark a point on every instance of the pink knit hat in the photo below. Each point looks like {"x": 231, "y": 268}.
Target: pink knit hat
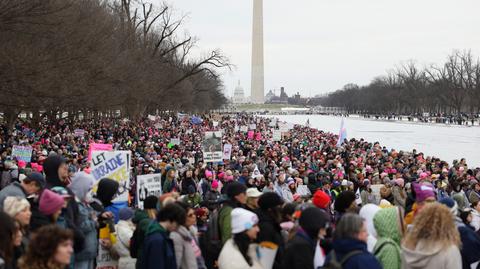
{"x": 214, "y": 184}
{"x": 50, "y": 202}
{"x": 208, "y": 173}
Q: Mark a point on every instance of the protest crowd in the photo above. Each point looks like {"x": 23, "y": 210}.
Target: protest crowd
{"x": 227, "y": 191}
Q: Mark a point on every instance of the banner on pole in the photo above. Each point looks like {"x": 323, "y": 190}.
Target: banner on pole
{"x": 147, "y": 185}
{"x": 212, "y": 147}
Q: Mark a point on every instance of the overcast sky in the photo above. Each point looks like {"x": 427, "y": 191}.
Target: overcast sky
{"x": 317, "y": 46}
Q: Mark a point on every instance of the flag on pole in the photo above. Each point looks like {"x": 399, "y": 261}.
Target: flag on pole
{"x": 342, "y": 134}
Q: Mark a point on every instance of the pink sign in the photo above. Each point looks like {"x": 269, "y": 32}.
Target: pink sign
{"x": 250, "y": 134}
{"x": 258, "y": 136}
{"x": 97, "y": 146}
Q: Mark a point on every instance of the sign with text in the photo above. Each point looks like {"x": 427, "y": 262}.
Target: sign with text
{"x": 227, "y": 151}
{"x": 114, "y": 165}
{"x": 212, "y": 147}
{"x": 23, "y": 153}
{"x": 147, "y": 185}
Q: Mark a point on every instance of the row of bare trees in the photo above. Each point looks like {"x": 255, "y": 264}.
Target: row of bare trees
{"x": 451, "y": 88}
{"x": 92, "y": 57}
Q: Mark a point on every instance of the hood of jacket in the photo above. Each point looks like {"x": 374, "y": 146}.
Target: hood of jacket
{"x": 184, "y": 233}
{"x": 367, "y": 212}
{"x": 420, "y": 257}
{"x": 50, "y": 166}
{"x": 152, "y": 227}
{"x": 107, "y": 188}
{"x": 388, "y": 224}
{"x": 81, "y": 184}
{"x": 343, "y": 246}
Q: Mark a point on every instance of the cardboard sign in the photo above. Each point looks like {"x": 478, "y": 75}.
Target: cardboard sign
{"x": 212, "y": 147}
{"x": 23, "y": 153}
{"x": 114, "y": 165}
{"x": 227, "y": 151}
{"x": 79, "y": 132}
{"x": 147, "y": 185}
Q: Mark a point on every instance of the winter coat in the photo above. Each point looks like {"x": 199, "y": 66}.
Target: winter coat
{"x": 169, "y": 185}
{"x": 186, "y": 249}
{"x": 470, "y": 244}
{"x": 71, "y": 213}
{"x": 364, "y": 260}
{"x": 284, "y": 191}
{"x": 225, "y": 222}
{"x": 434, "y": 256}
{"x": 14, "y": 189}
{"x": 300, "y": 252}
{"x": 368, "y": 212}
{"x": 475, "y": 220}
{"x": 124, "y": 231}
{"x": 187, "y": 182}
{"x": 231, "y": 258}
{"x": 459, "y": 197}
{"x": 158, "y": 250}
{"x": 387, "y": 250}
{"x": 271, "y": 231}
{"x": 193, "y": 201}
{"x": 399, "y": 196}
{"x": 89, "y": 229}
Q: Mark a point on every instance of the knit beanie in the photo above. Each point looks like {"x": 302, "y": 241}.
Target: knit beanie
{"x": 234, "y": 189}
{"x": 423, "y": 191}
{"x": 312, "y": 220}
{"x": 451, "y": 204}
{"x": 269, "y": 200}
{"x": 150, "y": 202}
{"x": 50, "y": 202}
{"x": 243, "y": 220}
{"x": 344, "y": 200}
{"x": 214, "y": 184}
{"x": 13, "y": 205}
{"x": 321, "y": 199}
{"x": 125, "y": 213}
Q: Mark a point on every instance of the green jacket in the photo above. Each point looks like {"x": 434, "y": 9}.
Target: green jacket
{"x": 225, "y": 223}
{"x": 387, "y": 250}
{"x": 193, "y": 201}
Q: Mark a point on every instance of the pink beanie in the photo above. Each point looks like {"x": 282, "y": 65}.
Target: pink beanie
{"x": 208, "y": 173}
{"x": 423, "y": 175}
{"x": 214, "y": 184}
{"x": 50, "y": 202}
{"x": 229, "y": 178}
{"x": 399, "y": 181}
{"x": 22, "y": 164}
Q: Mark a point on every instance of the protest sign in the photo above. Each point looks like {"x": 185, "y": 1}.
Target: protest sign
{"x": 212, "y": 147}
{"x": 23, "y": 153}
{"x": 244, "y": 128}
{"x": 114, "y": 165}
{"x": 303, "y": 191}
{"x": 277, "y": 135}
{"x": 227, "y": 151}
{"x": 175, "y": 141}
{"x": 147, "y": 185}
{"x": 252, "y": 126}
{"x": 79, "y": 132}
{"x": 283, "y": 127}
{"x": 250, "y": 135}
{"x": 97, "y": 146}
{"x": 105, "y": 259}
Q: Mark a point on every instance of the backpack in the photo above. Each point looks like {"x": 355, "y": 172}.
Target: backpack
{"x": 333, "y": 263}
{"x": 212, "y": 239}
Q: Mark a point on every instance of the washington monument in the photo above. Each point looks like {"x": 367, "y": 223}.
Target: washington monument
{"x": 257, "y": 54}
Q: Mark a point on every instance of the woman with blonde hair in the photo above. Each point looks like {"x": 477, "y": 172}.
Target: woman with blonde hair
{"x": 433, "y": 241}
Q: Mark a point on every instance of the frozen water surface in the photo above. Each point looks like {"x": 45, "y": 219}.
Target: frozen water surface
{"x": 447, "y": 142}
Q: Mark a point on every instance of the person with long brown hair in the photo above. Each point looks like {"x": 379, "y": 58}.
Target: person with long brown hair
{"x": 7, "y": 236}
{"x": 433, "y": 241}
{"x": 51, "y": 247}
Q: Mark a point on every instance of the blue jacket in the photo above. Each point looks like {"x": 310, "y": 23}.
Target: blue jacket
{"x": 158, "y": 251}
{"x": 365, "y": 260}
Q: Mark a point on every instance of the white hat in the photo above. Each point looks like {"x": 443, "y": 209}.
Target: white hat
{"x": 253, "y": 193}
{"x": 14, "y": 205}
{"x": 243, "y": 220}
{"x": 344, "y": 182}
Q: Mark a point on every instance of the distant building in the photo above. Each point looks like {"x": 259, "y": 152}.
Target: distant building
{"x": 239, "y": 95}
{"x": 271, "y": 98}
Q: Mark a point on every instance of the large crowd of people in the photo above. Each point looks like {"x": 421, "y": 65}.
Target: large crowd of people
{"x": 299, "y": 201}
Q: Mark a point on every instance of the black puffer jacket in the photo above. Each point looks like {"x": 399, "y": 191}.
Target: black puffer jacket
{"x": 271, "y": 231}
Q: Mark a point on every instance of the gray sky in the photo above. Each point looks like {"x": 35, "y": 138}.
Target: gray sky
{"x": 317, "y": 46}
